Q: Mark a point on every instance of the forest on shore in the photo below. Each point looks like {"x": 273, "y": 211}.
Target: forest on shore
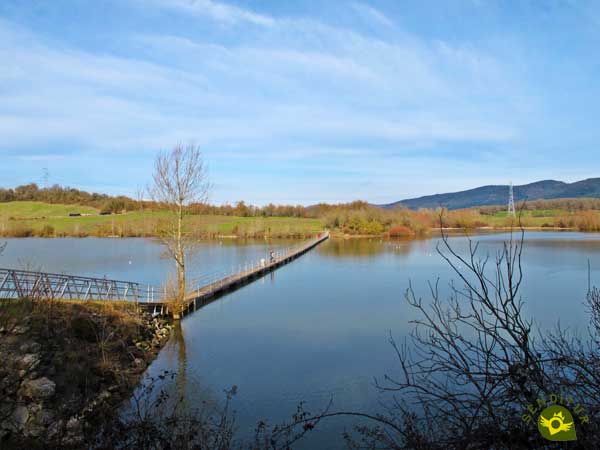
{"x": 56, "y": 211}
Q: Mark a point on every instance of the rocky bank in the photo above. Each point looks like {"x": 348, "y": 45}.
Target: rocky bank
{"x": 66, "y": 367}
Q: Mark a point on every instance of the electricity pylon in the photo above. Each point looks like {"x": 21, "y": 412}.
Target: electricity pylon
{"x": 511, "y": 201}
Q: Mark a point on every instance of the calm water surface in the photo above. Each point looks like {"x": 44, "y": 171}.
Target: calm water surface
{"x": 317, "y": 328}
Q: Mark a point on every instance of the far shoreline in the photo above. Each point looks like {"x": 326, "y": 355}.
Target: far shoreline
{"x": 337, "y": 235}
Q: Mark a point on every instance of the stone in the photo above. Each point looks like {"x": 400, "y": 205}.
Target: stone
{"x": 104, "y": 395}
{"x": 20, "y": 330}
{"x": 34, "y": 430}
{"x": 29, "y": 361}
{"x": 30, "y": 347}
{"x": 21, "y": 416}
{"x": 55, "y": 428}
{"x": 73, "y": 424}
{"x": 40, "y": 388}
{"x": 47, "y": 417}
{"x": 139, "y": 363}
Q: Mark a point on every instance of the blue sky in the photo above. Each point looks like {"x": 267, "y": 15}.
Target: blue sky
{"x": 301, "y": 101}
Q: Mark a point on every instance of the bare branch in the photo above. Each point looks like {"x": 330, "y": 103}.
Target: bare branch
{"x": 179, "y": 179}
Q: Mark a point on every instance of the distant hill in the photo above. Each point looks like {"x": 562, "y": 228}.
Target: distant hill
{"x": 498, "y": 194}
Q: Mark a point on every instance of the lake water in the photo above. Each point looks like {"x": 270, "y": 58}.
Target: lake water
{"x": 316, "y": 329}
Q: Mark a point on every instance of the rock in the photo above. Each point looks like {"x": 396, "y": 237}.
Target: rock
{"x": 21, "y": 416}
{"x": 29, "y": 361}
{"x": 73, "y": 424}
{"x": 139, "y": 363}
{"x": 34, "y": 425}
{"x": 46, "y": 417}
{"x": 20, "y": 330}
{"x": 30, "y": 347}
{"x": 40, "y": 388}
{"x": 74, "y": 432}
{"x": 104, "y": 395}
{"x": 55, "y": 428}
{"x": 73, "y": 439}
{"x": 34, "y": 430}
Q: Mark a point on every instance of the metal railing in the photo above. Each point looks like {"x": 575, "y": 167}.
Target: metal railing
{"x": 15, "y": 284}
{"x": 220, "y": 278}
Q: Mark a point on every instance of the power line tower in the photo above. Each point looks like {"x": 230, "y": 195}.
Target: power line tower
{"x": 511, "y": 201}
{"x": 45, "y": 177}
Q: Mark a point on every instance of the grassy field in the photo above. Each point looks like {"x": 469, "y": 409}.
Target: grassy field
{"x": 35, "y": 210}
{"x": 549, "y": 218}
{"x": 23, "y": 219}
{"x": 586, "y": 220}
{"x": 536, "y": 218}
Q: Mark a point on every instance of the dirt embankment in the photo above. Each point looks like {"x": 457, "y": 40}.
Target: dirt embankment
{"x": 66, "y": 367}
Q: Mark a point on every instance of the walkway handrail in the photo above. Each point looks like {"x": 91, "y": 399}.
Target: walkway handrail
{"x": 15, "y": 284}
{"x": 18, "y": 284}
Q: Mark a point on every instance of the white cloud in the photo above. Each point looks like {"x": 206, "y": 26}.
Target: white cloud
{"x": 234, "y": 95}
{"x": 220, "y": 12}
{"x": 300, "y": 92}
{"x": 371, "y": 13}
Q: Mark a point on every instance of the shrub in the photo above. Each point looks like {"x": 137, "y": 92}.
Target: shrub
{"x": 400, "y": 231}
{"x": 21, "y": 231}
{"x": 46, "y": 231}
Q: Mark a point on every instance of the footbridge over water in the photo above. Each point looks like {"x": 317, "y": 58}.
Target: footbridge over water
{"x": 21, "y": 284}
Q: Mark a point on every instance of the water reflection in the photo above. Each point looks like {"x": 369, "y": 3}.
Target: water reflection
{"x": 361, "y": 248}
{"x": 318, "y": 327}
{"x": 181, "y": 380}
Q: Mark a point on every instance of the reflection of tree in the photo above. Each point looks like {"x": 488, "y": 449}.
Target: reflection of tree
{"x": 181, "y": 379}
{"x": 364, "y": 248}
{"x": 181, "y": 385}
{"x": 250, "y": 242}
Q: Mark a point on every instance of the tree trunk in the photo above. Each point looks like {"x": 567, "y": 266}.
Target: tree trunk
{"x": 180, "y": 261}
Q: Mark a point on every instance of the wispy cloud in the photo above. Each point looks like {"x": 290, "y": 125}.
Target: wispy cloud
{"x": 372, "y": 14}
{"x": 220, "y": 12}
{"x": 300, "y": 94}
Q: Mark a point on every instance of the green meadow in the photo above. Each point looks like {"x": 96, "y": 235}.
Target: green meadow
{"x": 22, "y": 219}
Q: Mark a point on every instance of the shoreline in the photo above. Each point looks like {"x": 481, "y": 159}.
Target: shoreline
{"x": 69, "y": 366}
{"x": 334, "y": 234}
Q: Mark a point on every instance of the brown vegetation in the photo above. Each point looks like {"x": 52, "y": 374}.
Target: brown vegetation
{"x": 67, "y": 366}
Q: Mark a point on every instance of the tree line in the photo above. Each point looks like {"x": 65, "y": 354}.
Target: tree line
{"x": 567, "y": 204}
{"x": 353, "y": 218}
{"x": 67, "y": 196}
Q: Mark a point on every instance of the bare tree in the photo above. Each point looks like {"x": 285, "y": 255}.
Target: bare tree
{"x": 179, "y": 179}
{"x": 139, "y": 197}
{"x": 475, "y": 372}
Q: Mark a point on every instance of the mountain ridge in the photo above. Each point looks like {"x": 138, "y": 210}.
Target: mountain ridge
{"x": 498, "y": 194}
